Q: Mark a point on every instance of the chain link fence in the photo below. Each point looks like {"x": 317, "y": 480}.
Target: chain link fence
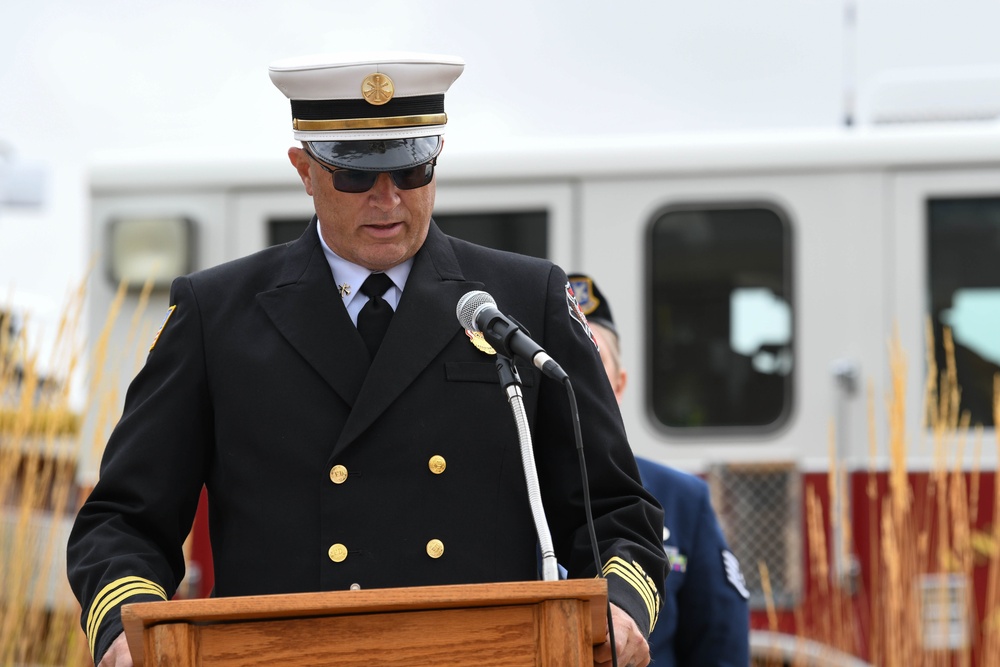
{"x": 760, "y": 510}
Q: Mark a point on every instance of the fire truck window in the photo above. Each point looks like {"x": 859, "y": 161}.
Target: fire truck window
{"x": 721, "y": 317}
{"x": 282, "y": 230}
{"x": 524, "y": 232}
{"x": 964, "y": 289}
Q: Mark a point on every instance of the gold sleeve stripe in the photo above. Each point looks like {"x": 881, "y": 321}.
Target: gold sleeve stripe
{"x": 638, "y": 584}
{"x": 112, "y": 595}
{"x": 117, "y": 583}
{"x": 637, "y": 580}
{"x": 629, "y": 575}
{"x": 125, "y": 593}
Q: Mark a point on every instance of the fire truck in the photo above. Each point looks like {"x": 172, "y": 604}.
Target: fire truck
{"x": 810, "y": 320}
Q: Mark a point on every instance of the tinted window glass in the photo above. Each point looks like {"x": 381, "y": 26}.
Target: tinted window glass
{"x": 964, "y": 291}
{"x": 284, "y": 231}
{"x": 721, "y": 347}
{"x": 524, "y": 232}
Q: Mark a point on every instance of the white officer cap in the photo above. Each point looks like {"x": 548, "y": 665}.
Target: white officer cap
{"x": 368, "y": 111}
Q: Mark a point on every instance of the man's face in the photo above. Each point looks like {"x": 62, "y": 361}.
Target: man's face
{"x": 377, "y": 229}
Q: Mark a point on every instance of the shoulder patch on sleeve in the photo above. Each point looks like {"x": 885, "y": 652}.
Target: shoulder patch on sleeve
{"x": 166, "y": 318}
{"x": 583, "y": 290}
{"x": 733, "y": 573}
{"x": 577, "y": 313}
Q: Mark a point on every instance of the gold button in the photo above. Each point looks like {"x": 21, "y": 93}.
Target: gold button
{"x": 437, "y": 464}
{"x": 435, "y": 548}
{"x": 338, "y": 474}
{"x": 337, "y": 553}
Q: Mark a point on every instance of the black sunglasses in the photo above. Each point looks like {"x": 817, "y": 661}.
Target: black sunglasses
{"x": 355, "y": 182}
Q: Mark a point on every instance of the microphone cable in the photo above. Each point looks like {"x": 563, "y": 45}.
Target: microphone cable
{"x": 578, "y": 436}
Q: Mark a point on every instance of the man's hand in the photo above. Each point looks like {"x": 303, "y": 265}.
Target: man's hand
{"x": 633, "y": 650}
{"x": 119, "y": 656}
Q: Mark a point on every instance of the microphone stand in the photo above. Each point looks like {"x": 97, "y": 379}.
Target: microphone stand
{"x": 510, "y": 383}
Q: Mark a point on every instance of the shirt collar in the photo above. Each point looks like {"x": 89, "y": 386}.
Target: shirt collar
{"x": 348, "y": 276}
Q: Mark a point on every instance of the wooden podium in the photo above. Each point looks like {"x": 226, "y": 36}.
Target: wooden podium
{"x": 550, "y": 623}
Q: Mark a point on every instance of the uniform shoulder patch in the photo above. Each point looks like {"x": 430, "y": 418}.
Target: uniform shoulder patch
{"x": 583, "y": 290}
{"x": 577, "y": 313}
{"x": 166, "y": 318}
{"x": 731, "y": 566}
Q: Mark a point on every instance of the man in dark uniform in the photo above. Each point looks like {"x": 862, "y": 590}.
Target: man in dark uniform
{"x": 336, "y": 458}
{"x": 706, "y": 617}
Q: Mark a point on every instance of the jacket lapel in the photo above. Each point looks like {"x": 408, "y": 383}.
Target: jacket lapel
{"x": 422, "y": 326}
{"x": 306, "y": 309}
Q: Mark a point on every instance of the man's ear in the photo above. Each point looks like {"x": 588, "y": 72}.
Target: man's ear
{"x": 620, "y": 385}
{"x": 302, "y": 163}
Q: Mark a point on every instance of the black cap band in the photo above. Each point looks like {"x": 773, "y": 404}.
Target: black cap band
{"x": 422, "y": 105}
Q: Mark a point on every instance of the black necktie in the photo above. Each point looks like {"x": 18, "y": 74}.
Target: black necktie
{"x": 373, "y": 320}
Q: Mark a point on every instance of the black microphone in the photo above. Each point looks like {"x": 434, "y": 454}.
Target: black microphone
{"x": 478, "y": 311}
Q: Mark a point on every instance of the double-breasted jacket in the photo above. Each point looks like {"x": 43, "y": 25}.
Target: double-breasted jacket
{"x": 326, "y": 469}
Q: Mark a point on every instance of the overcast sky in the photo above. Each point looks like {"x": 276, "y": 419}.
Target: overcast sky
{"x": 81, "y": 81}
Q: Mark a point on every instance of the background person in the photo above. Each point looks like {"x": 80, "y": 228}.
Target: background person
{"x": 705, "y": 619}
{"x": 349, "y": 432}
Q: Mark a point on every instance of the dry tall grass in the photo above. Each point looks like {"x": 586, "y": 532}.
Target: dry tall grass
{"x": 41, "y": 442}
{"x": 928, "y": 534}
{"x": 38, "y": 436}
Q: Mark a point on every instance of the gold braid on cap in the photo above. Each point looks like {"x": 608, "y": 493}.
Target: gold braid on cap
{"x": 368, "y": 123}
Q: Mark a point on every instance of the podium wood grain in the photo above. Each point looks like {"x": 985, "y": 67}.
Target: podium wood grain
{"x": 505, "y": 624}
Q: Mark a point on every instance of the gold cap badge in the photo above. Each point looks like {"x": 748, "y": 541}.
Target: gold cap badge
{"x": 377, "y": 89}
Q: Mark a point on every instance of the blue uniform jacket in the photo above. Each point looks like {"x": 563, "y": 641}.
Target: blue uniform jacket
{"x": 704, "y": 619}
